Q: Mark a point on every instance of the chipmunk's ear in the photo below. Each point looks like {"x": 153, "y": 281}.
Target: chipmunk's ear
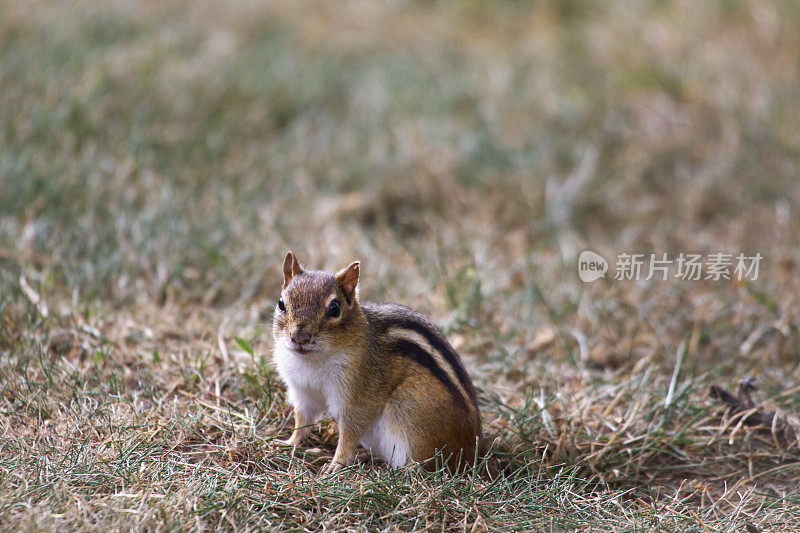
{"x": 348, "y": 280}
{"x": 291, "y": 268}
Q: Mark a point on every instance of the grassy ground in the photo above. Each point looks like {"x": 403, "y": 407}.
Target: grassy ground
{"x": 158, "y": 159}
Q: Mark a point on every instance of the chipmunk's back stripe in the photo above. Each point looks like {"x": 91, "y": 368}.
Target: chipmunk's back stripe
{"x": 415, "y": 338}
{"x": 420, "y": 355}
{"x": 439, "y": 344}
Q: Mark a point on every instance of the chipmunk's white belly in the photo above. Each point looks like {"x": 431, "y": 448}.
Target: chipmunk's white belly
{"x": 313, "y": 383}
{"x": 388, "y": 444}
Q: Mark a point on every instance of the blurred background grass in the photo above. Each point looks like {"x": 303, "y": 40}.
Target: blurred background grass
{"x": 157, "y": 159}
{"x": 141, "y": 140}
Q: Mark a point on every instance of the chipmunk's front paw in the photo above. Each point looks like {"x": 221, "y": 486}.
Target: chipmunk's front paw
{"x": 331, "y": 468}
{"x": 294, "y": 440}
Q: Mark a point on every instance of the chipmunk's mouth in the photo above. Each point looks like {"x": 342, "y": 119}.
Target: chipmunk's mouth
{"x": 302, "y": 349}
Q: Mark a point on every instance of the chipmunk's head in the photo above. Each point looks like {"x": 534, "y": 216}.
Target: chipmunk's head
{"x": 317, "y": 310}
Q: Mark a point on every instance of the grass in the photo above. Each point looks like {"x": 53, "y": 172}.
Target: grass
{"x": 157, "y": 161}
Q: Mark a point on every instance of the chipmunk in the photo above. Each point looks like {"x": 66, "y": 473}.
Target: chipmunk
{"x": 383, "y": 372}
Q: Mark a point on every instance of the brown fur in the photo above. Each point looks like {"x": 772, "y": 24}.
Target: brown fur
{"x": 377, "y": 378}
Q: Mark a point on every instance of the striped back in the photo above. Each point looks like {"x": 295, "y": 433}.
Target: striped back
{"x": 412, "y": 335}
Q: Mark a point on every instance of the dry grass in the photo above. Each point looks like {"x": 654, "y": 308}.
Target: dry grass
{"x": 157, "y": 160}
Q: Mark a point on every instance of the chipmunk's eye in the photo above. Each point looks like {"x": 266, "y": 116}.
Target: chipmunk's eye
{"x": 333, "y": 309}
{"x": 281, "y": 305}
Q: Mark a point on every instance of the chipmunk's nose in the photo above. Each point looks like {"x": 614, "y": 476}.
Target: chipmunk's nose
{"x": 301, "y": 335}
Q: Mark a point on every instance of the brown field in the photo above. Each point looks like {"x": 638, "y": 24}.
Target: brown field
{"x": 157, "y": 160}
